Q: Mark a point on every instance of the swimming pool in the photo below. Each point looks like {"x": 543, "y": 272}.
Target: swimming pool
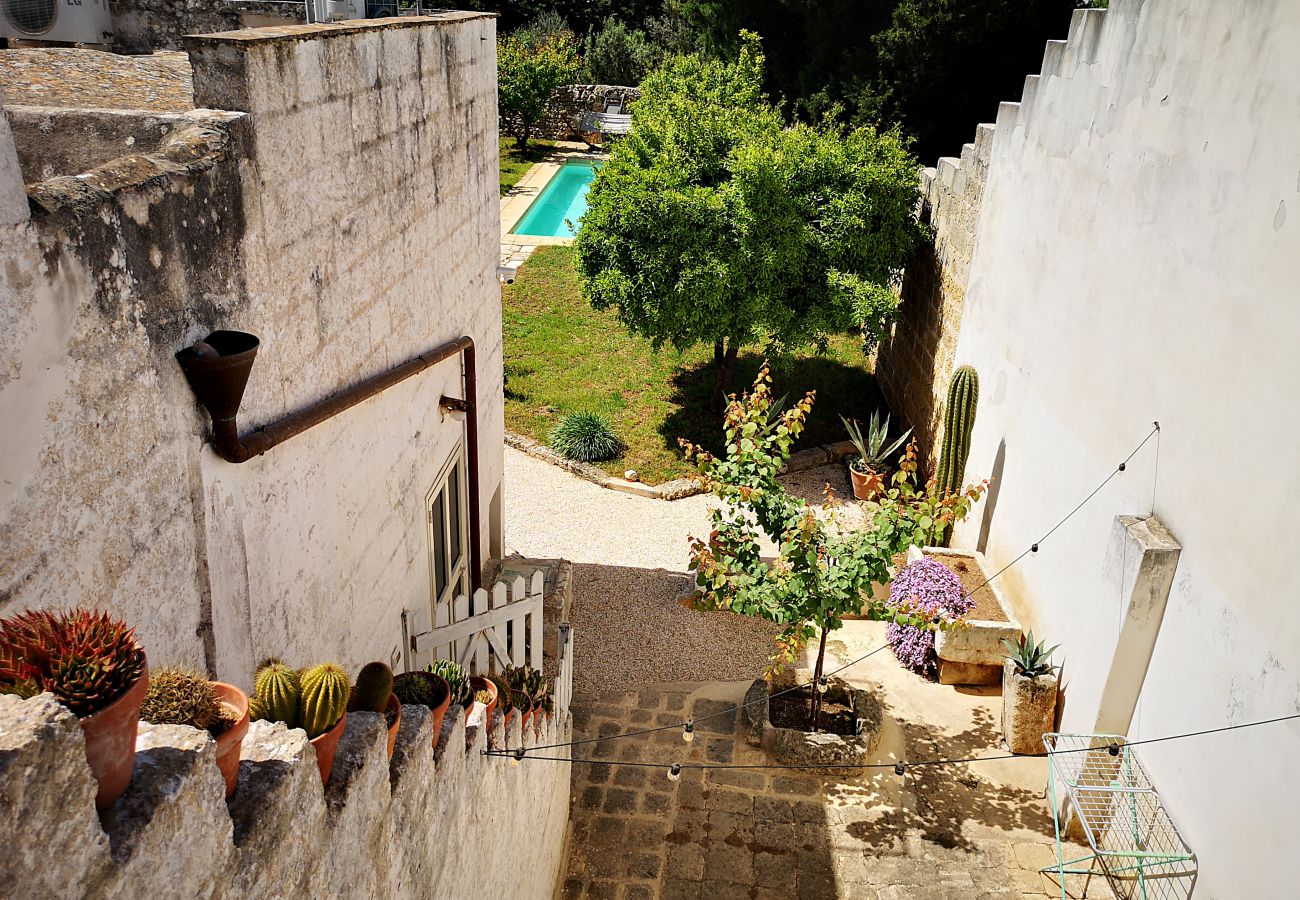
{"x": 557, "y": 209}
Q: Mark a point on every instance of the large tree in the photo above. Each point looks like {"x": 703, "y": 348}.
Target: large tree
{"x": 530, "y": 66}
{"x": 713, "y": 222}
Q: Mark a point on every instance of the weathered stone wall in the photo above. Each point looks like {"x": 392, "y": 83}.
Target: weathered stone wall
{"x": 916, "y": 362}
{"x": 352, "y": 228}
{"x": 438, "y": 822}
{"x": 142, "y": 26}
{"x": 53, "y": 141}
{"x": 561, "y": 119}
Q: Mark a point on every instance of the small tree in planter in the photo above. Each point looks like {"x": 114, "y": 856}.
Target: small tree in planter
{"x": 1029, "y": 690}
{"x": 823, "y": 572}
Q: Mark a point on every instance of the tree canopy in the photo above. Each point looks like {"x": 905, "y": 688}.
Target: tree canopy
{"x": 714, "y": 222}
{"x": 530, "y": 66}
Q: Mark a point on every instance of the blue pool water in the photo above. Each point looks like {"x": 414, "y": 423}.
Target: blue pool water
{"x": 560, "y": 205}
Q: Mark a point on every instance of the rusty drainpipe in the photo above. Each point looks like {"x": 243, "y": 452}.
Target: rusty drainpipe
{"x": 218, "y": 367}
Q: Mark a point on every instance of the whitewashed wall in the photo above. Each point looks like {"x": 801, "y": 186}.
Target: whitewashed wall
{"x": 1137, "y": 258}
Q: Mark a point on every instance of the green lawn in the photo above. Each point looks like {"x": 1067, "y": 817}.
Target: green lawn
{"x": 562, "y": 357}
{"x": 515, "y": 162}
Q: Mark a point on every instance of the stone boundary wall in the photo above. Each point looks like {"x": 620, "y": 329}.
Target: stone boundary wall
{"x": 914, "y": 364}
{"x": 561, "y": 119}
{"x": 143, "y": 26}
{"x": 444, "y": 821}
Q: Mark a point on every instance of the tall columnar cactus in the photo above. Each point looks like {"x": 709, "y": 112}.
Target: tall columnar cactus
{"x": 958, "y": 420}
{"x": 278, "y": 690}
{"x": 324, "y": 698}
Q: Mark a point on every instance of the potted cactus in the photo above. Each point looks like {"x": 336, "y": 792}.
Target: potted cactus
{"x": 505, "y": 700}
{"x": 425, "y": 689}
{"x": 480, "y": 684}
{"x": 867, "y": 470}
{"x": 314, "y": 700}
{"x": 373, "y": 692}
{"x": 1029, "y": 689}
{"x": 464, "y": 686}
{"x": 93, "y": 665}
{"x": 529, "y": 691}
{"x": 180, "y": 697}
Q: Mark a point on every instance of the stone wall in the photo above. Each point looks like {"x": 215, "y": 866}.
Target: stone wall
{"x": 143, "y": 26}
{"x": 915, "y": 364}
{"x": 345, "y": 210}
{"x": 438, "y": 822}
{"x": 561, "y": 119}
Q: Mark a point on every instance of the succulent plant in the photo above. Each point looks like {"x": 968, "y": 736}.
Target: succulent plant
{"x": 505, "y": 701}
{"x": 325, "y": 691}
{"x": 528, "y": 687}
{"x": 958, "y": 421}
{"x": 484, "y": 697}
{"x": 412, "y": 687}
{"x": 278, "y": 689}
{"x": 1030, "y": 658}
{"x": 180, "y": 697}
{"x": 872, "y": 452}
{"x": 373, "y": 688}
{"x": 84, "y": 657}
{"x": 454, "y": 675}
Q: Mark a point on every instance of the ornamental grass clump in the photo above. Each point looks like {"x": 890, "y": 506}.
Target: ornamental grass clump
{"x": 930, "y": 587}
{"x": 586, "y": 437}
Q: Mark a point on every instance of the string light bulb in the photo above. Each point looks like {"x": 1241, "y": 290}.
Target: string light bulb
{"x": 822, "y": 684}
{"x": 518, "y": 755}
{"x": 675, "y": 772}
{"x": 900, "y": 769}
{"x": 1113, "y": 749}
{"x": 1033, "y": 548}
{"x": 688, "y": 731}
{"x": 1123, "y": 466}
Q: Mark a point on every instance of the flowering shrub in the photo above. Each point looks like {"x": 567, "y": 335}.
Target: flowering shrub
{"x": 928, "y": 586}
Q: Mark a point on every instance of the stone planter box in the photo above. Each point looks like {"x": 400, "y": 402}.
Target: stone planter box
{"x": 789, "y": 745}
{"x": 974, "y": 654}
{"x": 1028, "y": 709}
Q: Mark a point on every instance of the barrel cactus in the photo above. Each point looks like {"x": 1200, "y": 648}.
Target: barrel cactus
{"x": 958, "y": 421}
{"x": 180, "y": 697}
{"x": 325, "y": 691}
{"x": 278, "y": 690}
{"x": 373, "y": 688}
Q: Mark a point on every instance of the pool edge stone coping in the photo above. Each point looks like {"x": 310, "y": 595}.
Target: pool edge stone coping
{"x": 515, "y": 204}
{"x": 670, "y": 490}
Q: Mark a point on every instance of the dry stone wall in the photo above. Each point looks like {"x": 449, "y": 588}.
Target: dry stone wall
{"x": 436, "y": 822}
{"x": 561, "y": 120}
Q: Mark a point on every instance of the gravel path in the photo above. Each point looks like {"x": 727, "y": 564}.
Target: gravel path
{"x": 630, "y": 556}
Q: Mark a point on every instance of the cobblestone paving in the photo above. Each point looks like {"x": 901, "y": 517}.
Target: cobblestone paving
{"x": 762, "y": 835}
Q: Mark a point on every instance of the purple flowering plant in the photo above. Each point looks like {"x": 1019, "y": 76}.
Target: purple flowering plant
{"x": 925, "y": 585}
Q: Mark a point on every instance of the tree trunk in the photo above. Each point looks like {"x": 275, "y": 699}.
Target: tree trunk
{"x": 522, "y": 135}
{"x": 724, "y": 365}
{"x": 817, "y": 679}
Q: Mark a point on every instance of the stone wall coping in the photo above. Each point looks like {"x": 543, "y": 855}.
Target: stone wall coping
{"x": 278, "y": 34}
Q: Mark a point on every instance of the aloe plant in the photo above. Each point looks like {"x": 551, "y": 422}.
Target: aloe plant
{"x": 461, "y": 691}
{"x": 872, "y": 452}
{"x": 1030, "y": 658}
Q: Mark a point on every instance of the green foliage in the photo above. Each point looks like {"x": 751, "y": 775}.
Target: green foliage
{"x": 324, "y": 698}
{"x": 461, "y": 691}
{"x": 414, "y": 688}
{"x": 86, "y": 658}
{"x": 823, "y": 571}
{"x": 958, "y": 421}
{"x": 278, "y": 689}
{"x": 505, "y": 698}
{"x": 1030, "y": 658}
{"x": 373, "y": 688}
{"x": 528, "y": 72}
{"x": 180, "y": 697}
{"x": 586, "y": 437}
{"x": 528, "y": 688}
{"x": 873, "y": 455}
{"x": 713, "y": 222}
{"x": 617, "y": 54}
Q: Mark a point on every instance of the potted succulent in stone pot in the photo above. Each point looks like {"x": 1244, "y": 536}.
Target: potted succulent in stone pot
{"x": 373, "y": 692}
{"x": 93, "y": 665}
{"x": 314, "y": 700}
{"x": 1029, "y": 690}
{"x": 425, "y": 689}
{"x": 180, "y": 697}
{"x": 869, "y": 468}
{"x": 529, "y": 691}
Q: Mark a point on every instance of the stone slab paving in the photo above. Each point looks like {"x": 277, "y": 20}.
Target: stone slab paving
{"x": 959, "y": 832}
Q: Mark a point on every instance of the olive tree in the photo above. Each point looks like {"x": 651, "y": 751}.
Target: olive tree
{"x": 714, "y": 222}
{"x": 822, "y": 571}
{"x": 530, "y": 66}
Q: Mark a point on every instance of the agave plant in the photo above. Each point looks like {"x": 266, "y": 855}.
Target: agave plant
{"x": 1030, "y": 658}
{"x": 872, "y": 452}
{"x": 586, "y": 437}
{"x": 528, "y": 688}
{"x": 85, "y": 658}
{"x": 461, "y": 690}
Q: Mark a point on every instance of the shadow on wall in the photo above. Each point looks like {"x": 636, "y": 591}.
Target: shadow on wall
{"x": 991, "y": 499}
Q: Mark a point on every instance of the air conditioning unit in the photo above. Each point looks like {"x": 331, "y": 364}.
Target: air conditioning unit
{"x": 57, "y": 21}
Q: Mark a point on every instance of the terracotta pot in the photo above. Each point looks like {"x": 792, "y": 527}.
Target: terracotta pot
{"x": 110, "y": 741}
{"x": 394, "y": 708}
{"x": 231, "y": 740}
{"x": 867, "y": 485}
{"x": 325, "y": 746}
{"x": 1028, "y": 709}
{"x": 528, "y": 717}
{"x": 436, "y": 712}
{"x": 479, "y": 683}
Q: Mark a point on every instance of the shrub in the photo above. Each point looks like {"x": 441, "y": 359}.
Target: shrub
{"x": 586, "y": 437}
{"x": 930, "y": 587}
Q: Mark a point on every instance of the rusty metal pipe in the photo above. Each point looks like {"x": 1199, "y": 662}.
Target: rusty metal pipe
{"x": 217, "y": 369}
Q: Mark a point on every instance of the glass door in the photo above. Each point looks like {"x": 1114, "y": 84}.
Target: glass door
{"x": 448, "y": 536}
